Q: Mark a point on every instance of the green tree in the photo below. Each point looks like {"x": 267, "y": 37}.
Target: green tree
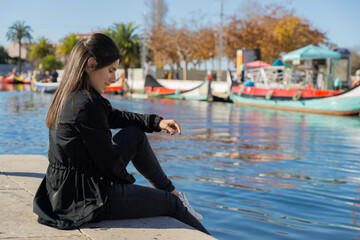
{"x": 17, "y": 32}
{"x": 4, "y": 56}
{"x": 50, "y": 62}
{"x": 40, "y": 49}
{"x": 128, "y": 42}
{"x": 66, "y": 45}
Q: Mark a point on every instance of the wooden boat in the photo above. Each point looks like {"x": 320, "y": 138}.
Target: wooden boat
{"x": 12, "y": 80}
{"x": 155, "y": 90}
{"x": 47, "y": 87}
{"x": 331, "y": 102}
{"x": 26, "y": 80}
{"x": 115, "y": 88}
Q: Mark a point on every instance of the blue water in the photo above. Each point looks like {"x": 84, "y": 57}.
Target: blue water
{"x": 252, "y": 173}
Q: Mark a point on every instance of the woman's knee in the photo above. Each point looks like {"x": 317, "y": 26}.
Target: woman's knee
{"x": 129, "y": 133}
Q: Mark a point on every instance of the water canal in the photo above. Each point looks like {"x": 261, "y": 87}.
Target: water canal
{"x": 252, "y": 173}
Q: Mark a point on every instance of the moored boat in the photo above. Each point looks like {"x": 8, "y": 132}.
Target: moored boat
{"x": 12, "y": 80}
{"x": 331, "y": 102}
{"x": 115, "y": 88}
{"x": 155, "y": 90}
{"x": 47, "y": 87}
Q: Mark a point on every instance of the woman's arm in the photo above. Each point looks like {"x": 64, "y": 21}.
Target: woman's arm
{"x": 93, "y": 126}
{"x": 121, "y": 119}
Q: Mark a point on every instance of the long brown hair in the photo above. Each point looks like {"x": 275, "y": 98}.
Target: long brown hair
{"x": 98, "y": 46}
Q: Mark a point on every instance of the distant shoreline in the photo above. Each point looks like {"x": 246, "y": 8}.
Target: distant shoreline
{"x": 5, "y": 68}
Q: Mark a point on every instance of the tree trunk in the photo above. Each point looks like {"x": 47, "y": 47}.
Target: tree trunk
{"x": 126, "y": 68}
{"x": 177, "y": 74}
{"x": 172, "y": 71}
{"x": 185, "y": 70}
{"x": 19, "y": 59}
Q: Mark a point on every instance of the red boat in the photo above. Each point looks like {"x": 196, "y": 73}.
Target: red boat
{"x": 11, "y": 79}
{"x": 283, "y": 94}
{"x": 333, "y": 102}
{"x": 115, "y": 88}
{"x": 152, "y": 86}
{"x": 112, "y": 88}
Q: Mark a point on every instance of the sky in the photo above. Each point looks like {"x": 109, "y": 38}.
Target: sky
{"x": 339, "y": 19}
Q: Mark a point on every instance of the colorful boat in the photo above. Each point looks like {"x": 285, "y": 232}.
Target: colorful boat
{"x": 331, "y": 102}
{"x": 155, "y": 90}
{"x": 26, "y": 80}
{"x": 49, "y": 87}
{"x": 12, "y": 80}
{"x": 115, "y": 88}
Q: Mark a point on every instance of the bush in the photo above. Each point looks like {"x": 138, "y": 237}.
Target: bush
{"x": 50, "y": 62}
{"x": 4, "y": 57}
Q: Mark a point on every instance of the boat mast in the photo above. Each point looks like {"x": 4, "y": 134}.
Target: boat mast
{"x": 220, "y": 40}
{"x": 143, "y": 45}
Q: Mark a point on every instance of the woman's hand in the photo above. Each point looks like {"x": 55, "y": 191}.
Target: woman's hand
{"x": 171, "y": 126}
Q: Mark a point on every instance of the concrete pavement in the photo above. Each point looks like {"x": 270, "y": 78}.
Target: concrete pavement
{"x": 20, "y": 176}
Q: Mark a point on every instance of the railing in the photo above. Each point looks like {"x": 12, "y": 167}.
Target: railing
{"x": 282, "y": 77}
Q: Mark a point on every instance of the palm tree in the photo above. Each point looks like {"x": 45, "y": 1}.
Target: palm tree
{"x": 17, "y": 32}
{"x": 40, "y": 49}
{"x": 66, "y": 45}
{"x": 128, "y": 42}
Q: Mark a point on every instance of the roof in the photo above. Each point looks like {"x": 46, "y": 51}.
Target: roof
{"x": 310, "y": 52}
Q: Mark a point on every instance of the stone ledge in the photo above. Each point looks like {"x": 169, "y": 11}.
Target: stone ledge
{"x": 20, "y": 176}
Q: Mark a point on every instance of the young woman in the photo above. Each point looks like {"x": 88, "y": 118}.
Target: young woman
{"x": 86, "y": 179}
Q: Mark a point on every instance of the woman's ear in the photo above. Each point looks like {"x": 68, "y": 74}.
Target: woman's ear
{"x": 91, "y": 64}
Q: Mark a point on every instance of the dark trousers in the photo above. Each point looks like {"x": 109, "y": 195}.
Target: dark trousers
{"x": 133, "y": 201}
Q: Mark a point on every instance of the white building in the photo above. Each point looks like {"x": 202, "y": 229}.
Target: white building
{"x": 13, "y": 50}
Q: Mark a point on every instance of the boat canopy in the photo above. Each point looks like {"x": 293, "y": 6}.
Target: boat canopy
{"x": 257, "y": 64}
{"x": 310, "y": 52}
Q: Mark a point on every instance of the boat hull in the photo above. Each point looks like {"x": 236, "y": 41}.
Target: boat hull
{"x": 178, "y": 97}
{"x": 114, "y": 89}
{"x": 155, "y": 90}
{"x": 342, "y": 104}
{"x": 12, "y": 80}
{"x": 45, "y": 87}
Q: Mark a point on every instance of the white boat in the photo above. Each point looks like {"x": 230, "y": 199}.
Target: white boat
{"x": 48, "y": 87}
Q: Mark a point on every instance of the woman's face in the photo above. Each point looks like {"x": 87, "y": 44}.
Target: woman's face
{"x": 101, "y": 78}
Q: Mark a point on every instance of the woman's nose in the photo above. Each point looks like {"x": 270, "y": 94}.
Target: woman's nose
{"x": 113, "y": 79}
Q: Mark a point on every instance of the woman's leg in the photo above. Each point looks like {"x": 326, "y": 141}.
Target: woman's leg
{"x": 133, "y": 145}
{"x": 128, "y": 201}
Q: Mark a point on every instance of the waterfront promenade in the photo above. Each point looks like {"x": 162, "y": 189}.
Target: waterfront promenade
{"x": 20, "y": 176}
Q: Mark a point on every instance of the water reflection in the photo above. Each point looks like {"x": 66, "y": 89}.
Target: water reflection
{"x": 27, "y": 102}
{"x": 23, "y": 129}
{"x": 298, "y": 165}
{"x": 9, "y": 87}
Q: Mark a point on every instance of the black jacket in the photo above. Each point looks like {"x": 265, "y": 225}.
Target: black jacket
{"x": 83, "y": 164}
